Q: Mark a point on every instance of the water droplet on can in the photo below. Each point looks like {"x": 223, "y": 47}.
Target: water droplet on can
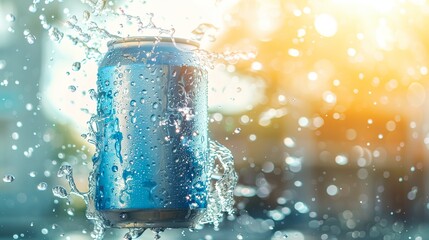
{"x": 115, "y": 168}
{"x": 29, "y": 106}
{"x": 155, "y": 105}
{"x": 153, "y": 118}
{"x": 133, "y": 120}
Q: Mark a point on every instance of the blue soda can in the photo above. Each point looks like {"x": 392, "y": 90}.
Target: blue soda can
{"x": 152, "y": 161}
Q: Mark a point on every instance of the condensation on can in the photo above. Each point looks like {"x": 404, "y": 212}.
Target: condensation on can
{"x": 151, "y": 134}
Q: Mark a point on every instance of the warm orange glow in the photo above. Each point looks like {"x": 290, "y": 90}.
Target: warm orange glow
{"x": 346, "y": 62}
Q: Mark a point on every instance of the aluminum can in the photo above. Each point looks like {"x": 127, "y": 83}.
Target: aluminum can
{"x": 152, "y": 163}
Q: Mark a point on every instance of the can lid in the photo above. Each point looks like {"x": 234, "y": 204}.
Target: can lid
{"x": 153, "y": 39}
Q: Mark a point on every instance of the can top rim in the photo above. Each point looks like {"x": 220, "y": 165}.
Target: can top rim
{"x": 140, "y": 39}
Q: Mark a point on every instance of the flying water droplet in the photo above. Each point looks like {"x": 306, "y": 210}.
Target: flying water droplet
{"x": 59, "y": 192}
{"x": 42, "y": 186}
{"x": 2, "y": 64}
{"x": 31, "y": 39}
{"x": 70, "y": 211}
{"x": 76, "y": 66}
{"x": 32, "y": 8}
{"x": 86, "y": 15}
{"x": 55, "y": 35}
{"x": 64, "y": 170}
{"x": 72, "y": 88}
{"x": 205, "y": 30}
{"x": 8, "y": 178}
{"x": 10, "y": 17}
{"x": 157, "y": 232}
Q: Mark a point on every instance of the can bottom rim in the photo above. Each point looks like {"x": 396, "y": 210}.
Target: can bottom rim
{"x": 160, "y": 218}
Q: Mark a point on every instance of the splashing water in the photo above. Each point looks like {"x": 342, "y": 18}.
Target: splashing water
{"x": 133, "y": 233}
{"x": 92, "y": 34}
{"x": 224, "y": 178}
{"x": 106, "y": 23}
{"x": 220, "y": 195}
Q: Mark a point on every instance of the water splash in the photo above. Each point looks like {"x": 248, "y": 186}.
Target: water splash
{"x": 66, "y": 171}
{"x": 92, "y": 33}
{"x": 220, "y": 196}
{"x": 31, "y": 39}
{"x": 224, "y": 180}
{"x": 205, "y": 30}
{"x": 134, "y": 233}
{"x": 105, "y": 23}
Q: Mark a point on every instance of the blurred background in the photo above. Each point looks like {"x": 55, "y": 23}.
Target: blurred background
{"x": 328, "y": 124}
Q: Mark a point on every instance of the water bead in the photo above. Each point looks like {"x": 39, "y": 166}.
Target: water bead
{"x": 31, "y": 39}
{"x": 155, "y": 105}
{"x": 8, "y": 178}
{"x": 72, "y": 88}
{"x": 76, "y": 66}
{"x": 42, "y": 186}
{"x": 86, "y": 15}
{"x": 10, "y": 17}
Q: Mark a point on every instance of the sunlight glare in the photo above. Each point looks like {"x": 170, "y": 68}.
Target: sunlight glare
{"x": 326, "y": 25}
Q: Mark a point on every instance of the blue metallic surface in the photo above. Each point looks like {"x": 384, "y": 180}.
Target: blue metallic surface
{"x": 152, "y": 128}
